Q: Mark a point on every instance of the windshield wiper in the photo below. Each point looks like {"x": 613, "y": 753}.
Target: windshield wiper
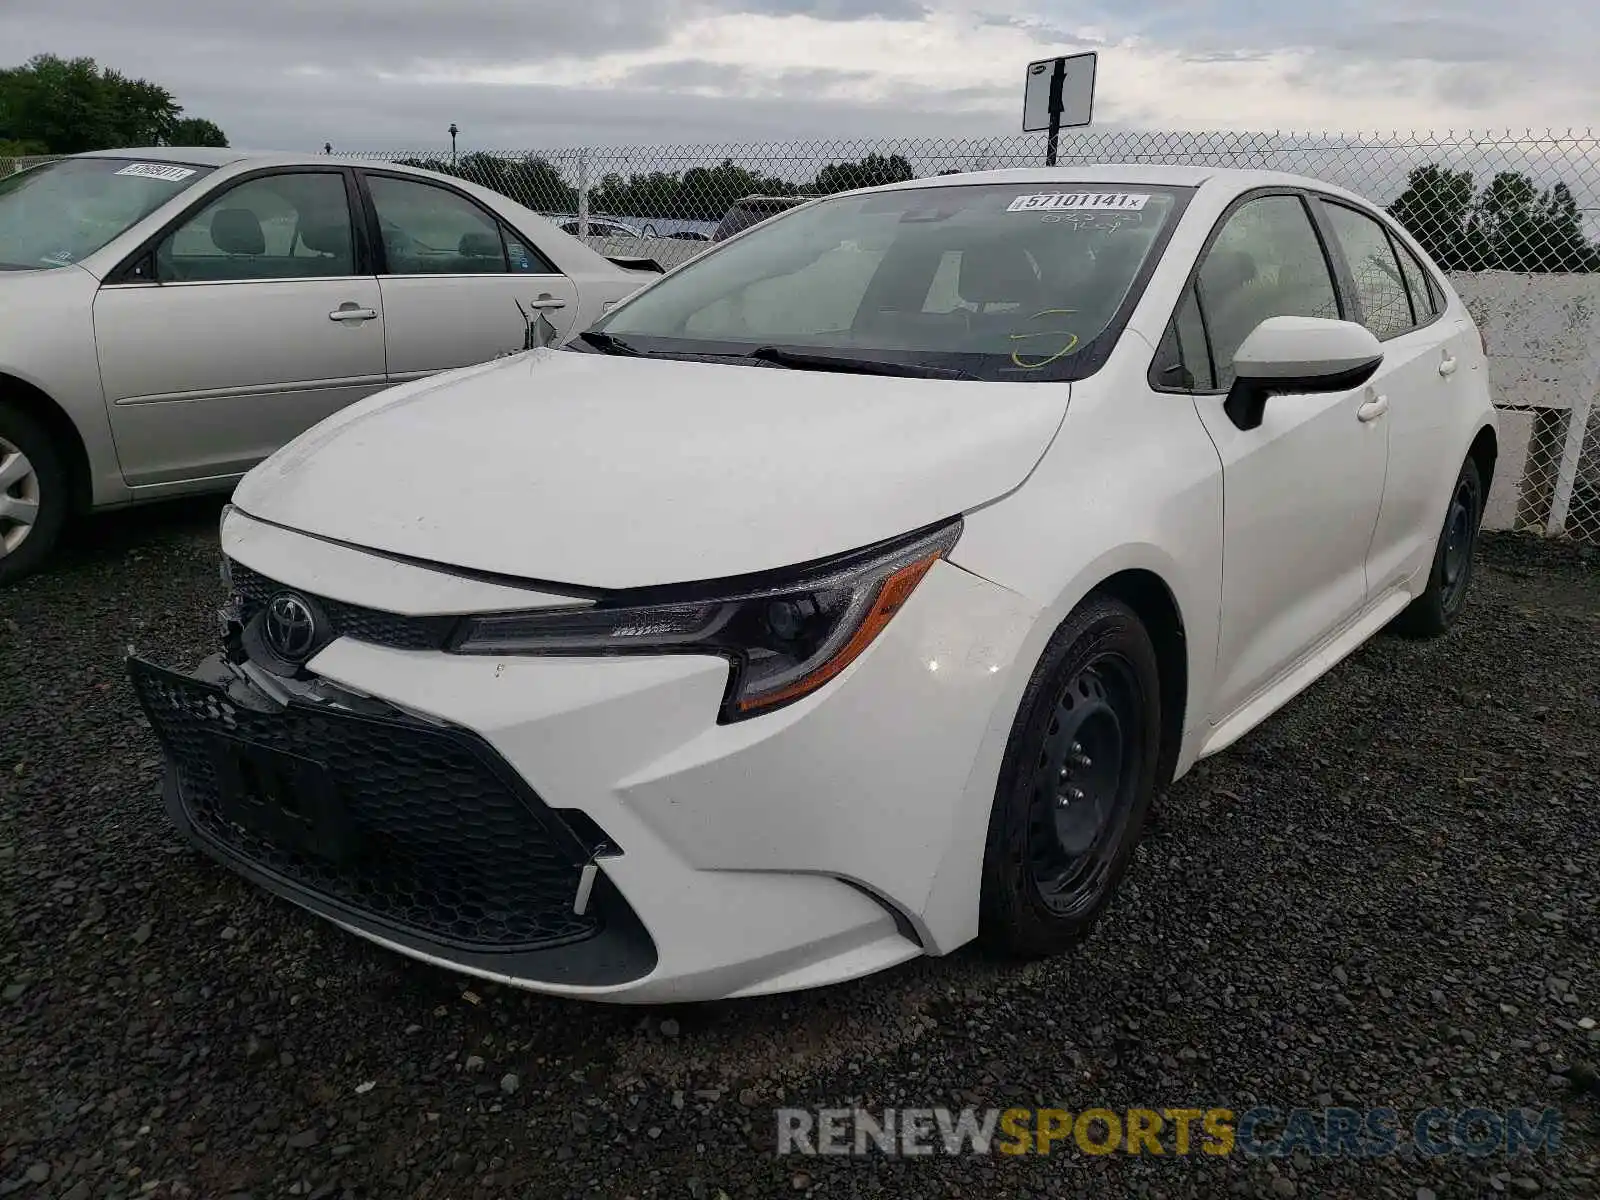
{"x": 804, "y": 360}
{"x": 609, "y": 343}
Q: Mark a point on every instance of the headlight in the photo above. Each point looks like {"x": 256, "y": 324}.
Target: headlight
{"x": 784, "y": 641}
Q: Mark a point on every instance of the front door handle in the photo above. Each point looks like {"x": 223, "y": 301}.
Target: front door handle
{"x": 348, "y": 311}
{"x": 1373, "y": 408}
{"x": 1447, "y": 365}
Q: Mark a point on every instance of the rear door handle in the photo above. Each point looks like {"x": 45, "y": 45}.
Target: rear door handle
{"x": 1373, "y": 409}
{"x": 547, "y": 302}
{"x": 1447, "y": 366}
{"x": 349, "y": 312}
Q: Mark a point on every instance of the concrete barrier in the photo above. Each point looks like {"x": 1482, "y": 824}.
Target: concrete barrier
{"x": 1543, "y": 337}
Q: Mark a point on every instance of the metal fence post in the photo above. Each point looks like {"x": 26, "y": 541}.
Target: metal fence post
{"x": 583, "y": 192}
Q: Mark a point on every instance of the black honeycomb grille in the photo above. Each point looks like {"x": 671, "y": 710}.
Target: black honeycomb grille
{"x": 372, "y": 625}
{"x": 448, "y": 847}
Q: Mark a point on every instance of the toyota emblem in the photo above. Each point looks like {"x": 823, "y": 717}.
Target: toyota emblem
{"x": 290, "y": 627}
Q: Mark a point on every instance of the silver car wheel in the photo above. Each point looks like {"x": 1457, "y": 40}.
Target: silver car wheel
{"x": 19, "y": 498}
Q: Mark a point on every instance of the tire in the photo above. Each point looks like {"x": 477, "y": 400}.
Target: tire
{"x": 1076, "y": 783}
{"x": 1436, "y": 609}
{"x": 38, "y": 495}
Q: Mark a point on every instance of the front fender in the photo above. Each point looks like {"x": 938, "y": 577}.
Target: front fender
{"x": 1131, "y": 483}
{"x": 48, "y": 345}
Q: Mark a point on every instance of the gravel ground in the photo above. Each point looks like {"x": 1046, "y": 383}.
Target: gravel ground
{"x": 1385, "y": 897}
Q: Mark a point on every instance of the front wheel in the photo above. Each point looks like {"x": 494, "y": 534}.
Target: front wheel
{"x": 33, "y": 494}
{"x": 1435, "y": 610}
{"x": 1076, "y": 784}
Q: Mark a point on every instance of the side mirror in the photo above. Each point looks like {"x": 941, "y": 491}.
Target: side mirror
{"x": 1299, "y": 354}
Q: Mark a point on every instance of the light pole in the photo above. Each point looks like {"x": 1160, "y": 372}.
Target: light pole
{"x": 453, "y": 132}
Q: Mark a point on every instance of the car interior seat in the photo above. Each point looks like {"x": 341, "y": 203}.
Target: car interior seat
{"x": 237, "y": 231}
{"x": 330, "y": 240}
{"x": 1002, "y": 275}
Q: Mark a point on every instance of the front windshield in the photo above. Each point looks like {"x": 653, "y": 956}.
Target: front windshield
{"x": 59, "y": 213}
{"x": 1003, "y": 282}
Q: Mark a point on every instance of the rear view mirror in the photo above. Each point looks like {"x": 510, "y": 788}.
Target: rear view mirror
{"x": 1299, "y": 354}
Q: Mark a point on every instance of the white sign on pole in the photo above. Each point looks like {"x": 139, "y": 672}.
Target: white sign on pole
{"x": 1075, "y": 97}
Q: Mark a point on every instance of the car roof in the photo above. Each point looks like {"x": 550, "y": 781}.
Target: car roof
{"x": 1237, "y": 178}
{"x": 194, "y": 156}
{"x": 206, "y": 156}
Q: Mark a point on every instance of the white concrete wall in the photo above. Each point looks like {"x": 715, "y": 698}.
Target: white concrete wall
{"x": 1543, "y": 338}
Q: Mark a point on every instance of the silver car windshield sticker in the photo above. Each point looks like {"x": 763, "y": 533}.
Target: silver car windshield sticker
{"x": 158, "y": 171}
{"x": 1070, "y": 201}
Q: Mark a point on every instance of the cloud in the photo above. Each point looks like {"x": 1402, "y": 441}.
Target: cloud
{"x": 837, "y": 10}
{"x": 386, "y": 74}
{"x": 249, "y": 35}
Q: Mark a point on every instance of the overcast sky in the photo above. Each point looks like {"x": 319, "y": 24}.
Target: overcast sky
{"x": 391, "y": 74}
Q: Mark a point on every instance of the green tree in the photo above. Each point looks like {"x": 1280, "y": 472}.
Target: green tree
{"x": 15, "y": 149}
{"x": 698, "y": 194}
{"x": 67, "y": 106}
{"x": 1565, "y": 246}
{"x": 1435, "y": 208}
{"x": 1524, "y": 229}
{"x": 531, "y": 181}
{"x": 872, "y": 171}
{"x": 1511, "y": 225}
{"x": 196, "y": 131}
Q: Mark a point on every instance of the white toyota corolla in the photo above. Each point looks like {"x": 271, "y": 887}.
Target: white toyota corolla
{"x": 846, "y": 594}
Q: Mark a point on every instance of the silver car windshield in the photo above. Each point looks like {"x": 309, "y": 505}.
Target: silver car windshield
{"x": 59, "y": 213}
{"x": 1012, "y": 281}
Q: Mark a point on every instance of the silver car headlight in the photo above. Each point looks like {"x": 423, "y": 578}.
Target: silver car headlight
{"x": 784, "y": 641}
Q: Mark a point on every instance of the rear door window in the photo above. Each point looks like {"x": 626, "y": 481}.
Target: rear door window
{"x": 1424, "y": 298}
{"x": 430, "y": 230}
{"x": 1380, "y": 287}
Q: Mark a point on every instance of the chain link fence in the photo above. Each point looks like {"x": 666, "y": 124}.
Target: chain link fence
{"x": 10, "y": 166}
{"x": 1514, "y": 218}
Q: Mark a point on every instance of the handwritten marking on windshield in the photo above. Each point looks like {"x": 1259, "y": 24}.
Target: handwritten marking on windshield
{"x": 1040, "y": 364}
{"x": 1103, "y": 222}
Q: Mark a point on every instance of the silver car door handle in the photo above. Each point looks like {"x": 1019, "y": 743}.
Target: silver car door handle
{"x": 353, "y": 314}
{"x": 1373, "y": 409}
{"x": 1447, "y": 366}
{"x": 547, "y": 302}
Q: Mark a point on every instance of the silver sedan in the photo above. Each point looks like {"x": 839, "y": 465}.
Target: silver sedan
{"x": 169, "y": 317}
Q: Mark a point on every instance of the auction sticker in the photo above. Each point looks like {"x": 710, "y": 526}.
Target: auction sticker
{"x": 1079, "y": 201}
{"x": 165, "y": 171}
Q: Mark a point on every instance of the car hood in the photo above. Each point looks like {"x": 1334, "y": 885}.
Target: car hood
{"x": 614, "y": 472}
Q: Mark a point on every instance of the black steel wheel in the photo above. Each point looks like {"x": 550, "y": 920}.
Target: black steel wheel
{"x": 1078, "y": 778}
{"x": 1436, "y": 609}
{"x": 1460, "y": 539}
